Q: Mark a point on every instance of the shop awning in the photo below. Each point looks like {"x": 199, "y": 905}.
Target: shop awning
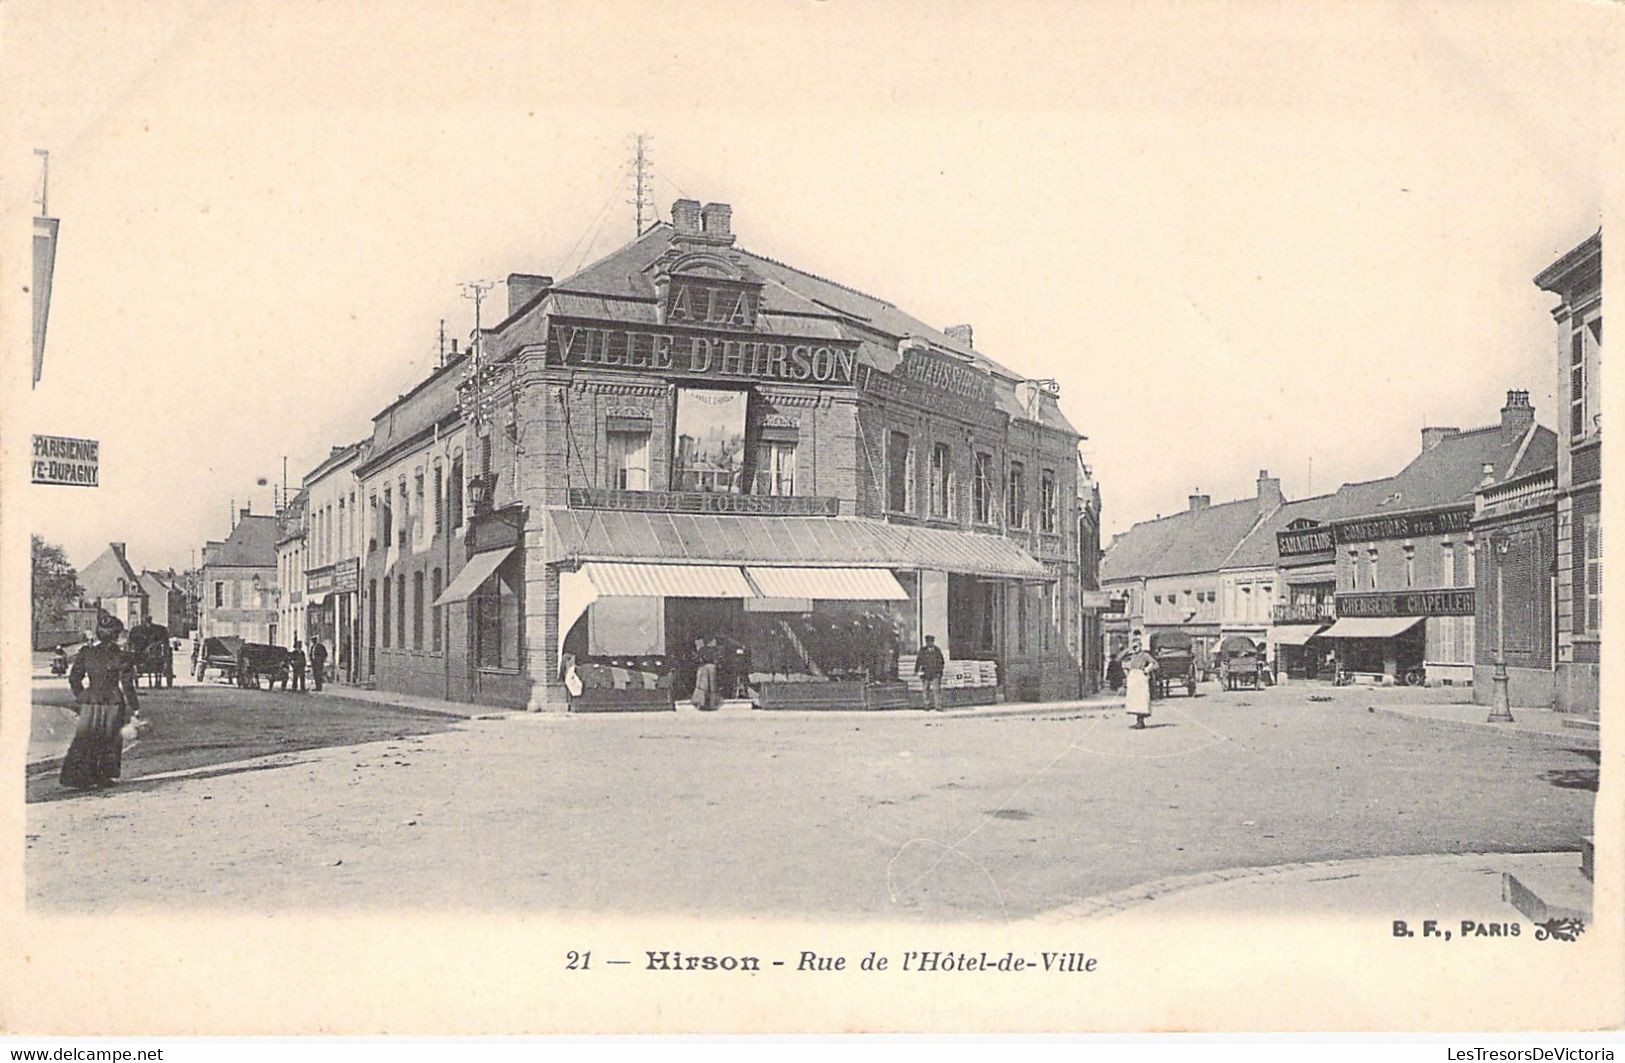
{"x": 610, "y": 535}
{"x": 612, "y": 579}
{"x": 476, "y": 572}
{"x": 1370, "y": 627}
{"x": 829, "y": 584}
{"x": 1294, "y": 634}
{"x": 315, "y": 598}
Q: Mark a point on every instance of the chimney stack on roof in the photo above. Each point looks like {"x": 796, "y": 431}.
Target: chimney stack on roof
{"x": 1269, "y": 488}
{"x": 523, "y": 287}
{"x": 1432, "y": 436}
{"x": 1516, "y": 416}
{"x": 960, "y": 333}
{"x": 1200, "y": 501}
{"x": 685, "y": 217}
{"x": 716, "y": 221}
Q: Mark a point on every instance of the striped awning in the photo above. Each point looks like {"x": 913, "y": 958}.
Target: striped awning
{"x": 829, "y": 584}
{"x": 476, "y": 572}
{"x": 1294, "y": 634}
{"x": 579, "y": 535}
{"x": 613, "y": 579}
{"x": 1370, "y": 627}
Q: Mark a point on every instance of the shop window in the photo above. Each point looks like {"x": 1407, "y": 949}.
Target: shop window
{"x": 400, "y": 608}
{"x": 710, "y": 440}
{"x": 498, "y": 631}
{"x": 383, "y": 629}
{"x": 899, "y": 473}
{"x": 1015, "y": 498}
{"x": 1023, "y": 636}
{"x": 439, "y": 498}
{"x": 629, "y": 460}
{"x": 942, "y": 478}
{"x": 435, "y": 587}
{"x": 1048, "y": 503}
{"x": 454, "y": 492}
{"x": 1591, "y": 529}
{"x": 775, "y": 468}
{"x": 982, "y": 488}
{"x": 991, "y": 595}
{"x": 417, "y": 610}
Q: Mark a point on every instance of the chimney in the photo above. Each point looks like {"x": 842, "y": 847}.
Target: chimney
{"x": 1200, "y": 502}
{"x": 246, "y": 512}
{"x": 1433, "y": 436}
{"x": 1269, "y": 488}
{"x": 962, "y": 333}
{"x": 716, "y": 221}
{"x": 1516, "y": 416}
{"x": 523, "y": 287}
{"x": 685, "y": 217}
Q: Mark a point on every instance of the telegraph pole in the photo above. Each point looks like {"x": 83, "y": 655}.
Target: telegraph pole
{"x": 641, "y": 195}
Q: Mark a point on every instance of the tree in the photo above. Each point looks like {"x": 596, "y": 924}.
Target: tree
{"x": 55, "y": 584}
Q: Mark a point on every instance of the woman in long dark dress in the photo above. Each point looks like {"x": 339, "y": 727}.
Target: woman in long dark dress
{"x": 94, "y": 758}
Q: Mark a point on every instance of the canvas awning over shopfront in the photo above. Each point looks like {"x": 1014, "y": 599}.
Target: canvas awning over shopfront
{"x": 1370, "y": 627}
{"x": 476, "y": 572}
{"x": 828, "y": 584}
{"x": 1294, "y": 634}
{"x": 613, "y": 579}
{"x": 584, "y": 535}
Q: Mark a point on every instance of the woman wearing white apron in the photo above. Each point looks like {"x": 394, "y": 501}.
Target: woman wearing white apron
{"x": 1137, "y": 670}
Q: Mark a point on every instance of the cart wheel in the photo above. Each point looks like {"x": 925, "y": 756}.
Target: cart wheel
{"x": 1413, "y": 678}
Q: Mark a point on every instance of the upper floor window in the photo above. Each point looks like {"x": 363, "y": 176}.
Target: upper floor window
{"x": 1591, "y": 529}
{"x": 1015, "y": 499}
{"x": 439, "y": 498}
{"x": 982, "y": 488}
{"x": 1410, "y": 565}
{"x": 1585, "y": 397}
{"x": 387, "y": 519}
{"x": 1049, "y": 517}
{"x": 775, "y": 468}
{"x": 942, "y": 478}
{"x": 899, "y": 473}
{"x": 710, "y": 433}
{"x": 417, "y": 528}
{"x": 629, "y": 459}
{"x": 454, "y": 491}
{"x": 406, "y": 513}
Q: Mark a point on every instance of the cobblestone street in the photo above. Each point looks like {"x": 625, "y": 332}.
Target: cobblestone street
{"x": 877, "y": 815}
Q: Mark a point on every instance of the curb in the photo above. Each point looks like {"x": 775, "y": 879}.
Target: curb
{"x": 443, "y": 714}
{"x": 1571, "y": 736}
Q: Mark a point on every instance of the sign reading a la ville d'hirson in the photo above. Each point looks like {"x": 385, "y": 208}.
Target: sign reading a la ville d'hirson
{"x": 67, "y": 461}
{"x": 682, "y": 352}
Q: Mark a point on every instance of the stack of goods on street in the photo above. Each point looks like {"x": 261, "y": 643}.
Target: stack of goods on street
{"x": 624, "y": 684}
{"x": 964, "y": 682}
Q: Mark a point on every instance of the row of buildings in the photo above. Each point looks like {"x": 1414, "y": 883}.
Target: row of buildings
{"x": 112, "y": 584}
{"x": 1484, "y": 549}
{"x": 688, "y": 445}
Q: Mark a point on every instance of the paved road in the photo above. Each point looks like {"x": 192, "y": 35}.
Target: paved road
{"x": 839, "y": 815}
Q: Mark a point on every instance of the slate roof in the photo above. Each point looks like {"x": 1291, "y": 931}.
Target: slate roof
{"x": 99, "y": 579}
{"x": 1191, "y": 541}
{"x": 252, "y": 544}
{"x": 619, "y": 287}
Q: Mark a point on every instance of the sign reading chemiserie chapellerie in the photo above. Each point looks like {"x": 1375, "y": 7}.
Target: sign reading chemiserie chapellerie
{"x": 1451, "y": 602}
{"x": 66, "y": 461}
{"x": 679, "y": 352}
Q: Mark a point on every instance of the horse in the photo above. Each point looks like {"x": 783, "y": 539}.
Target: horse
{"x": 154, "y": 663}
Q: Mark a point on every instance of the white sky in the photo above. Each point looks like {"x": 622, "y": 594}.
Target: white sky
{"x": 1241, "y": 236}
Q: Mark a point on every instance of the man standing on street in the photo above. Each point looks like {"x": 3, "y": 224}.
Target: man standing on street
{"x": 296, "y": 665}
{"x": 928, "y": 665}
{"x": 318, "y": 661}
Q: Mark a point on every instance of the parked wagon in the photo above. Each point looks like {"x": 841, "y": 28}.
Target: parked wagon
{"x": 1242, "y": 664}
{"x": 244, "y": 663}
{"x": 1176, "y": 663}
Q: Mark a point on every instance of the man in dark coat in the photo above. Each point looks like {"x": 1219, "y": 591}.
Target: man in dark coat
{"x": 95, "y": 757}
{"x": 296, "y": 665}
{"x": 318, "y": 662}
{"x": 928, "y": 665}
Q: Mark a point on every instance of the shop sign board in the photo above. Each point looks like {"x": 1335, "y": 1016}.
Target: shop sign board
{"x": 704, "y": 502}
{"x": 1303, "y": 542}
{"x": 1457, "y": 601}
{"x": 676, "y": 352}
{"x": 1403, "y": 526}
{"x": 66, "y": 461}
{"x": 341, "y": 577}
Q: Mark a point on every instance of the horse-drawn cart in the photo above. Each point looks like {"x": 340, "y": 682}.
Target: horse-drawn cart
{"x": 1242, "y": 664}
{"x": 244, "y": 663}
{"x": 1176, "y": 663}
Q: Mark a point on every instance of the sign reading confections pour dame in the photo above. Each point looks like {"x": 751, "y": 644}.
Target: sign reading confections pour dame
{"x": 66, "y": 461}
{"x": 1403, "y": 526}
{"x": 671, "y": 351}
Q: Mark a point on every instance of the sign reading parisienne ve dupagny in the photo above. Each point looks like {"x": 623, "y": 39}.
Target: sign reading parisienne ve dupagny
{"x": 67, "y": 461}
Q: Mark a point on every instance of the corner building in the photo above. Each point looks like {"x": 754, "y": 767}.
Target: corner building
{"x": 688, "y": 448}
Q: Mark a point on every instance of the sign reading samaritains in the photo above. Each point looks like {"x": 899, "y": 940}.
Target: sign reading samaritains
{"x": 1303, "y": 541}
{"x": 67, "y": 461}
{"x": 1403, "y": 526}
{"x": 675, "y": 352}
{"x": 1455, "y": 602}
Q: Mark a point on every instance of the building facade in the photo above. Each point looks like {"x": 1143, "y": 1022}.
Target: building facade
{"x": 166, "y": 602}
{"x": 1576, "y": 279}
{"x": 334, "y": 526}
{"x": 689, "y": 449}
{"x": 111, "y": 584}
{"x": 290, "y": 570}
{"x": 1515, "y": 528}
{"x": 239, "y": 577}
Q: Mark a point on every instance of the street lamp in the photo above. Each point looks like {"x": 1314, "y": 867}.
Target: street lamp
{"x": 1500, "y": 705}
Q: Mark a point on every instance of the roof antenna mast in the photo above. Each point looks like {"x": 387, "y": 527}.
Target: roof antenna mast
{"x": 641, "y": 194}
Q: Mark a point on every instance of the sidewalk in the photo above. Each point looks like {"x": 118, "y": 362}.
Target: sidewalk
{"x": 1539, "y": 724}
{"x": 1449, "y": 887}
{"x": 457, "y": 710}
